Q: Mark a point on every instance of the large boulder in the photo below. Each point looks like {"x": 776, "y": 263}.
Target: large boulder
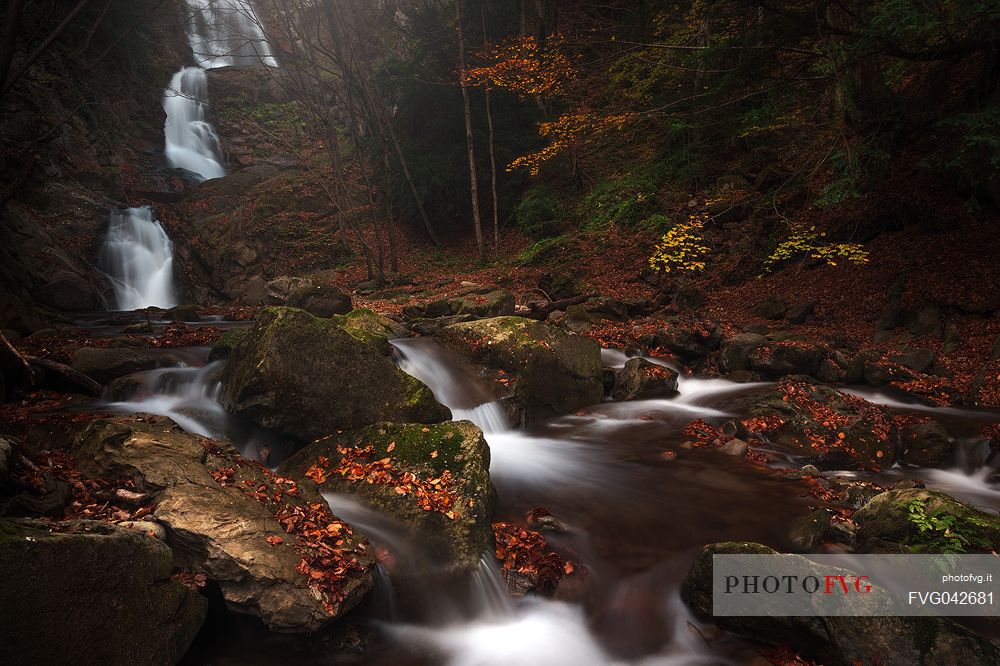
{"x": 371, "y": 328}
{"x": 103, "y": 364}
{"x": 926, "y": 444}
{"x": 892, "y": 518}
{"x": 322, "y": 300}
{"x": 234, "y": 521}
{"x": 473, "y": 302}
{"x": 736, "y": 351}
{"x": 840, "y": 641}
{"x": 556, "y": 373}
{"x": 643, "y": 380}
{"x": 435, "y": 479}
{"x": 787, "y": 357}
{"x": 87, "y": 592}
{"x": 826, "y": 427}
{"x": 309, "y": 377}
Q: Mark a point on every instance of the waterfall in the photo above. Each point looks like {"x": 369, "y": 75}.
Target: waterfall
{"x": 191, "y": 142}
{"x": 227, "y": 33}
{"x": 138, "y": 257}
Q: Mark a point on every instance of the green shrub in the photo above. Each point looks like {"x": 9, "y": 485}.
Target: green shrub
{"x": 624, "y": 201}
{"x": 538, "y": 214}
{"x": 542, "y": 251}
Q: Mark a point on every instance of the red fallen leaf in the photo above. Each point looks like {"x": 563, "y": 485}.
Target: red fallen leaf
{"x": 391, "y": 447}
{"x": 274, "y": 540}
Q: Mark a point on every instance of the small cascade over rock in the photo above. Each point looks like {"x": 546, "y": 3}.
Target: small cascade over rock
{"x": 227, "y": 33}
{"x": 138, "y": 257}
{"x": 191, "y": 141}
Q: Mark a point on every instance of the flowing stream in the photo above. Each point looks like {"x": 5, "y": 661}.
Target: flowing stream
{"x": 634, "y": 519}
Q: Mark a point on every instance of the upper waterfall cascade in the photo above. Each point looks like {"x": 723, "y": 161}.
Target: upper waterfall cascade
{"x": 227, "y": 33}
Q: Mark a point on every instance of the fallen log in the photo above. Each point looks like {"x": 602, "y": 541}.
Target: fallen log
{"x": 67, "y": 374}
{"x": 543, "y": 310}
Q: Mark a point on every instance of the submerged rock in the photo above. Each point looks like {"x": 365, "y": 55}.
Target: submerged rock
{"x": 435, "y": 479}
{"x": 89, "y": 592}
{"x": 642, "y": 380}
{"x": 891, "y": 641}
{"x": 309, "y": 377}
{"x": 222, "y": 519}
{"x": 556, "y": 373}
{"x": 827, "y": 427}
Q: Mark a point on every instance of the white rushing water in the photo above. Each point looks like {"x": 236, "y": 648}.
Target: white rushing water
{"x": 227, "y": 33}
{"x": 138, "y": 257}
{"x": 191, "y": 142}
{"x": 188, "y": 396}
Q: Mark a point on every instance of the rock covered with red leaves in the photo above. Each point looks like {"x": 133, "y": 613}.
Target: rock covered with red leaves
{"x": 433, "y": 478}
{"x": 826, "y": 426}
{"x": 270, "y": 543}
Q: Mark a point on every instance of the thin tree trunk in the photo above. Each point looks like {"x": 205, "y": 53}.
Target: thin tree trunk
{"x": 473, "y": 178}
{"x": 30, "y": 60}
{"x": 493, "y": 159}
{"x": 393, "y": 258}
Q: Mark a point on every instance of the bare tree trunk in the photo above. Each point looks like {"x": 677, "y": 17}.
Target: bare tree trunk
{"x": 473, "y": 178}
{"x": 393, "y": 258}
{"x": 40, "y": 49}
{"x": 493, "y": 159}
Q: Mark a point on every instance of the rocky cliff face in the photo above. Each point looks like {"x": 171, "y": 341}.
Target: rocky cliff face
{"x": 81, "y": 135}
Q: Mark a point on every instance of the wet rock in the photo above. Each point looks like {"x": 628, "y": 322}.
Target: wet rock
{"x": 103, "y": 364}
{"x": 147, "y": 527}
{"x": 138, "y": 328}
{"x": 493, "y": 304}
{"x": 604, "y": 307}
{"x": 320, "y": 300}
{"x": 182, "y": 313}
{"x": 831, "y": 372}
{"x": 309, "y": 377}
{"x": 827, "y": 427}
{"x": 689, "y": 343}
{"x": 777, "y": 359}
{"x": 68, "y": 291}
{"x": 431, "y": 326}
{"x": 454, "y": 453}
{"x": 891, "y": 641}
{"x": 926, "y": 444}
{"x": 735, "y": 447}
{"x": 885, "y": 518}
{"x": 225, "y": 345}
{"x": 736, "y": 351}
{"x": 373, "y": 329}
{"x": 804, "y": 471}
{"x": 642, "y": 380}
{"x": 217, "y": 529}
{"x": 86, "y": 592}
{"x": 807, "y": 532}
{"x": 557, "y": 373}
{"x": 772, "y": 307}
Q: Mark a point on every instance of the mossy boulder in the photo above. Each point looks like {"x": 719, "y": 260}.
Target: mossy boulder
{"x": 450, "y": 460}
{"x": 643, "y": 380}
{"x": 87, "y": 592}
{"x": 309, "y": 377}
{"x": 826, "y": 427}
{"x": 372, "y": 328}
{"x": 885, "y": 520}
{"x": 321, "y": 300}
{"x": 839, "y": 641}
{"x": 221, "y": 513}
{"x": 225, "y": 345}
{"x": 556, "y": 373}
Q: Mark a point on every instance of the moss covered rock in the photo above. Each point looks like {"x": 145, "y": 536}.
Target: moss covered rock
{"x": 556, "y": 373}
{"x": 448, "y": 467}
{"x": 86, "y": 592}
{"x": 840, "y": 641}
{"x": 225, "y": 345}
{"x": 322, "y": 300}
{"x": 372, "y": 328}
{"x": 827, "y": 427}
{"x": 308, "y": 377}
{"x": 103, "y": 364}
{"x": 886, "y": 519}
